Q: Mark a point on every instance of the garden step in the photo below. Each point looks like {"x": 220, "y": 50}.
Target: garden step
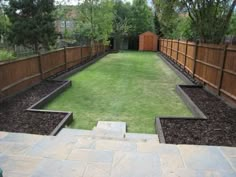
{"x": 141, "y": 137}
{"x": 104, "y": 133}
{"x": 98, "y": 133}
{"x": 112, "y": 126}
{"x": 74, "y": 132}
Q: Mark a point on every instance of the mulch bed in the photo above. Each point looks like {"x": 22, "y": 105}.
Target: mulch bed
{"x": 15, "y": 118}
{"x": 218, "y": 129}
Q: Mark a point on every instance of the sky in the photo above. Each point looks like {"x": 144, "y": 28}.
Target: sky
{"x": 75, "y": 2}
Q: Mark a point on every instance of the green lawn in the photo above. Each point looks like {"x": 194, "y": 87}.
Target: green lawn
{"x": 134, "y": 87}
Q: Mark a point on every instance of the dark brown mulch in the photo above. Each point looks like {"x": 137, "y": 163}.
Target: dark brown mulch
{"x": 15, "y": 118}
{"x": 218, "y": 129}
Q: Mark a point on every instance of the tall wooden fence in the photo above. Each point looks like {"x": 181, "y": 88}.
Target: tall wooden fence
{"x": 213, "y": 65}
{"x": 20, "y": 74}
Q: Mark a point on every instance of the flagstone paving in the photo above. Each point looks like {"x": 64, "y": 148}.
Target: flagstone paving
{"x": 81, "y": 153}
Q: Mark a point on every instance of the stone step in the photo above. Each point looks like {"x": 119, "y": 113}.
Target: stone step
{"x": 98, "y": 133}
{"x": 104, "y": 133}
{"x": 74, "y": 132}
{"x": 112, "y": 126}
{"x": 141, "y": 137}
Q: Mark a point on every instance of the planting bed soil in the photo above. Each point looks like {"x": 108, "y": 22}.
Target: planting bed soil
{"x": 218, "y": 129}
{"x": 15, "y": 118}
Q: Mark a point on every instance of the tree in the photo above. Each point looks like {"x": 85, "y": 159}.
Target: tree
{"x": 121, "y": 25}
{"x": 167, "y": 15}
{"x": 95, "y": 20}
{"x": 232, "y": 26}
{"x": 4, "y": 25}
{"x": 183, "y": 29}
{"x": 32, "y": 23}
{"x": 4, "y": 22}
{"x": 142, "y": 18}
{"x": 210, "y": 19}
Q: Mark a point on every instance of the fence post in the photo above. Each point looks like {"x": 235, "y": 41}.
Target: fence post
{"x": 195, "y": 58}
{"x": 65, "y": 57}
{"x": 222, "y": 69}
{"x": 166, "y": 46}
{"x": 81, "y": 54}
{"x": 177, "y": 55}
{"x": 171, "y": 44}
{"x": 40, "y": 66}
{"x": 185, "y": 55}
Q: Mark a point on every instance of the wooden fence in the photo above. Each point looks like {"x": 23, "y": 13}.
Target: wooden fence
{"x": 213, "y": 65}
{"x": 23, "y": 73}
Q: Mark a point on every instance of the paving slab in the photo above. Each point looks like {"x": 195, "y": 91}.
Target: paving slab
{"x": 86, "y": 155}
{"x": 21, "y": 138}
{"x": 154, "y": 147}
{"x": 112, "y": 126}
{"x": 53, "y": 147}
{"x": 74, "y": 132}
{"x": 3, "y": 134}
{"x": 12, "y": 148}
{"x": 60, "y": 168}
{"x": 232, "y": 162}
{"x": 86, "y": 143}
{"x": 19, "y": 164}
{"x": 98, "y": 170}
{"x": 204, "y": 158}
{"x": 185, "y": 172}
{"x": 15, "y": 174}
{"x": 228, "y": 151}
{"x": 133, "y": 164}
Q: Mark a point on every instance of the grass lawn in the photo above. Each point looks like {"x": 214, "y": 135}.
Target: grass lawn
{"x": 134, "y": 87}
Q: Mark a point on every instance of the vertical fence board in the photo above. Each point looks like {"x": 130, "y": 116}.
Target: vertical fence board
{"x": 23, "y": 73}
{"x": 211, "y": 64}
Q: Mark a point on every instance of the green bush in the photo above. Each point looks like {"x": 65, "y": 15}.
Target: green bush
{"x": 6, "y": 55}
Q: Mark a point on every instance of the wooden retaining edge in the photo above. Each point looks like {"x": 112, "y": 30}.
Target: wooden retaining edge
{"x": 68, "y": 115}
{"x": 197, "y": 113}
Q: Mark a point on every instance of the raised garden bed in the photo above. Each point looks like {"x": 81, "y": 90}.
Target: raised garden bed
{"x": 21, "y": 114}
{"x": 217, "y": 129}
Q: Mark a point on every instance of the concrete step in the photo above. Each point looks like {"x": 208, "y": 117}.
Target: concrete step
{"x": 112, "y": 126}
{"x": 104, "y": 133}
{"x": 141, "y": 137}
{"x": 98, "y": 133}
{"x": 74, "y": 132}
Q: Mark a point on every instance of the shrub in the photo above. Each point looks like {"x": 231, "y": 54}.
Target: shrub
{"x": 6, "y": 55}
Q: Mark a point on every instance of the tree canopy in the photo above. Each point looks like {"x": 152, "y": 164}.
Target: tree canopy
{"x": 206, "y": 21}
{"x": 95, "y": 19}
{"x": 142, "y": 18}
{"x": 32, "y": 23}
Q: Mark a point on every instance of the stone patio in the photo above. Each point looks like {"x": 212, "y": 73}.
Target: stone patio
{"x": 83, "y": 153}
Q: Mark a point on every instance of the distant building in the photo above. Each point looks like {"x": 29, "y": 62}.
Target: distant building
{"x": 68, "y": 21}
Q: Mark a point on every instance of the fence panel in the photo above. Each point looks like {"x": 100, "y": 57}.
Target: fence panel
{"x": 168, "y": 48}
{"x": 182, "y": 51}
{"x": 190, "y": 54}
{"x": 229, "y": 73}
{"x": 52, "y": 62}
{"x": 18, "y": 75}
{"x": 174, "y": 49}
{"x": 213, "y": 65}
{"x": 73, "y": 56}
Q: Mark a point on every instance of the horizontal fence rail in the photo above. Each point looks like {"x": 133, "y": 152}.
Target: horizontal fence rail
{"x": 23, "y": 73}
{"x": 213, "y": 65}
